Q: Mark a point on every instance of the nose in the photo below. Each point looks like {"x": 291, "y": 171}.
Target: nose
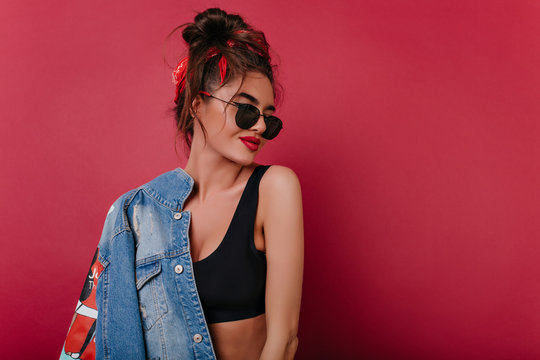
{"x": 260, "y": 125}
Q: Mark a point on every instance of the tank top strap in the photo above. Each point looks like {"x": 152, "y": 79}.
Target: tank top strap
{"x": 253, "y": 187}
{"x": 257, "y": 175}
{"x": 248, "y": 206}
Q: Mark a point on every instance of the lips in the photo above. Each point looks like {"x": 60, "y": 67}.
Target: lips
{"x": 251, "y": 142}
{"x": 251, "y": 139}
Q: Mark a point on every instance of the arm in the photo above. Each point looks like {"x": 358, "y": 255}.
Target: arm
{"x": 107, "y": 323}
{"x": 80, "y": 338}
{"x": 284, "y": 237}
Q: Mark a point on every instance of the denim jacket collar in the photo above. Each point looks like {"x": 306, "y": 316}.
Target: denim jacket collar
{"x": 171, "y": 189}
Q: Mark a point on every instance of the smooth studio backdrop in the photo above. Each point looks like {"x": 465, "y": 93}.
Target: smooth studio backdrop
{"x": 412, "y": 125}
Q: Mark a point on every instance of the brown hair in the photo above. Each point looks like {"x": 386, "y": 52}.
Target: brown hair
{"x": 213, "y": 28}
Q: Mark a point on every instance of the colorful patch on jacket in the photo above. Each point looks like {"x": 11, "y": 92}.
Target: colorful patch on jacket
{"x": 80, "y": 340}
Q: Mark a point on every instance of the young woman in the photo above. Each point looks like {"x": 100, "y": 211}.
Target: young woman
{"x": 204, "y": 262}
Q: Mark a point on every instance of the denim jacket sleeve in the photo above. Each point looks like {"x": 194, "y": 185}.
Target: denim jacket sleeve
{"x": 107, "y": 321}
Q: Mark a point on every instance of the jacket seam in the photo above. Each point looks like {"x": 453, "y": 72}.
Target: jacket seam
{"x": 127, "y": 201}
{"x": 110, "y": 241}
{"x": 119, "y": 231}
{"x": 125, "y": 223}
{"x": 104, "y": 317}
{"x": 123, "y": 228}
{"x": 157, "y": 200}
{"x": 167, "y": 255}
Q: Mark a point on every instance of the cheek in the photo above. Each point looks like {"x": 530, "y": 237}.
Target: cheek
{"x": 221, "y": 127}
{"x": 215, "y": 121}
{"x": 230, "y": 123}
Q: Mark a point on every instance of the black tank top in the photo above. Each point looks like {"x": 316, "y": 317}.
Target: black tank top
{"x": 231, "y": 281}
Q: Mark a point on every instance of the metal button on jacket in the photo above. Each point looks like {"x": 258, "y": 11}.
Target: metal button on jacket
{"x": 178, "y": 215}
{"x": 197, "y": 338}
{"x": 178, "y": 269}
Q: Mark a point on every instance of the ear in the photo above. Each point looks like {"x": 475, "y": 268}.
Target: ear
{"x": 196, "y": 105}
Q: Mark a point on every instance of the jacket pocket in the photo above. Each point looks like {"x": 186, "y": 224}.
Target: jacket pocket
{"x": 152, "y": 301}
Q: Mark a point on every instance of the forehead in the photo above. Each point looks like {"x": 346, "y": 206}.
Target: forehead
{"x": 254, "y": 84}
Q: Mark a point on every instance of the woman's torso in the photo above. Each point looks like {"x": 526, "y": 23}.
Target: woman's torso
{"x": 210, "y": 222}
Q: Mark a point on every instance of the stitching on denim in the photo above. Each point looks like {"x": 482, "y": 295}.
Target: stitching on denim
{"x": 129, "y": 196}
{"x": 154, "y": 272}
{"x": 182, "y": 296}
{"x": 119, "y": 231}
{"x": 109, "y": 244}
{"x": 180, "y": 199}
{"x": 104, "y": 262}
{"x": 155, "y": 300}
{"x": 159, "y": 201}
{"x": 162, "y": 338}
{"x": 156, "y": 287}
{"x": 199, "y": 310}
{"x": 106, "y": 350}
{"x": 167, "y": 255}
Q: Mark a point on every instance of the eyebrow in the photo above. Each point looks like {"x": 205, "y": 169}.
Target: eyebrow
{"x": 254, "y": 100}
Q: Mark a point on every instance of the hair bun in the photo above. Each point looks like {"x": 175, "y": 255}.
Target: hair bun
{"x": 213, "y": 26}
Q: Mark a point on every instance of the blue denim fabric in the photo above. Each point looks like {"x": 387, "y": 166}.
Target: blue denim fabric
{"x": 147, "y": 302}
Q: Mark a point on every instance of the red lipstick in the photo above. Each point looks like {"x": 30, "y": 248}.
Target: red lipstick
{"x": 251, "y": 142}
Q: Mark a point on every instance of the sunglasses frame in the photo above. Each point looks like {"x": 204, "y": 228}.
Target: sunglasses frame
{"x": 238, "y": 105}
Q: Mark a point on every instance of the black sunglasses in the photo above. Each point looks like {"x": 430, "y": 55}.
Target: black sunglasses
{"x": 248, "y": 115}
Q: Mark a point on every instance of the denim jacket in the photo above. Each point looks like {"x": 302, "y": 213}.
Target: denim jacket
{"x": 139, "y": 300}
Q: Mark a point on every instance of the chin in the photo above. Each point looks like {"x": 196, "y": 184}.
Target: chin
{"x": 245, "y": 160}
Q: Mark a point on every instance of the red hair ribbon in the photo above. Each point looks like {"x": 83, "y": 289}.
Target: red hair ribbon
{"x": 179, "y": 77}
{"x": 259, "y": 40}
{"x": 179, "y": 73}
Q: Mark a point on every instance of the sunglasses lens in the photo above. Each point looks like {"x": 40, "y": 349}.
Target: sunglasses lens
{"x": 246, "y": 116}
{"x": 273, "y": 126}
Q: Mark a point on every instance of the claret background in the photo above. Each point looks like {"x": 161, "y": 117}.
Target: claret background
{"x": 412, "y": 125}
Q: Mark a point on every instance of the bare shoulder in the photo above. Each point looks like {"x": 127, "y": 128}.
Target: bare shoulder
{"x": 279, "y": 178}
{"x": 279, "y": 192}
